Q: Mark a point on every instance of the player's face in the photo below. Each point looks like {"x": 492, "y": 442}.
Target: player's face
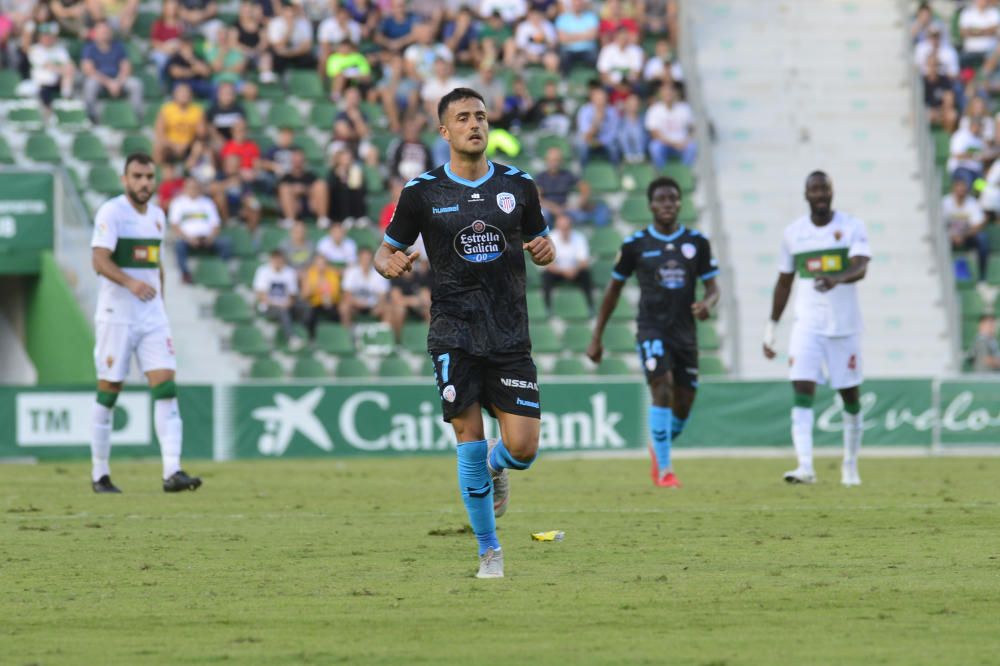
{"x": 819, "y": 194}
{"x": 466, "y": 127}
{"x": 139, "y": 180}
{"x": 665, "y": 205}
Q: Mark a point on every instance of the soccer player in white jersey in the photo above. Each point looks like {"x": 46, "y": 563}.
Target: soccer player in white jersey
{"x": 131, "y": 319}
{"x": 829, "y": 251}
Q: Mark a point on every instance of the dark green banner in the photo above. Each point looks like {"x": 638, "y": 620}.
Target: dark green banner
{"x": 26, "y": 217}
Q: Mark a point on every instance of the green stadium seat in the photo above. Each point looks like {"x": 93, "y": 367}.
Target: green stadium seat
{"x": 376, "y": 337}
{"x": 554, "y": 141}
{"x": 271, "y": 238}
{"x": 570, "y": 366}
{"x": 602, "y": 176}
{"x": 625, "y": 311}
{"x": 245, "y": 271}
{"x": 637, "y": 177}
{"x": 373, "y": 112}
{"x": 137, "y": 143}
{"x": 536, "y": 80}
{"x": 605, "y": 243}
{"x": 709, "y": 366}
{"x": 942, "y": 147}
{"x": 322, "y": 115}
{"x": 313, "y": 152}
{"x": 619, "y": 339}
{"x": 708, "y": 337}
{"x": 544, "y": 339}
{"x": 352, "y": 368}
{"x": 266, "y": 368}
{"x": 576, "y": 338}
{"x": 382, "y": 140}
{"x": 9, "y": 80}
{"x": 364, "y": 237}
{"x": 42, "y": 148}
{"x": 972, "y": 304}
{"x": 689, "y": 214}
{"x": 375, "y": 202}
{"x": 152, "y": 87}
{"x": 532, "y": 276}
{"x": 307, "y": 367}
{"x": 6, "y": 154}
{"x": 570, "y": 304}
{"x": 118, "y": 114}
{"x": 536, "y": 306}
{"x": 104, "y": 180}
{"x": 682, "y": 174}
{"x": 393, "y": 366}
{"x": 426, "y": 367}
{"x": 374, "y": 182}
{"x": 242, "y": 240}
{"x": 601, "y": 271}
{"x": 143, "y": 25}
{"x": 305, "y": 84}
{"x": 298, "y": 331}
{"x": 271, "y": 91}
{"x": 213, "y": 273}
{"x": 29, "y": 116}
{"x": 231, "y": 308}
{"x": 415, "y": 338}
{"x": 252, "y": 116}
{"x": 136, "y": 56}
{"x": 283, "y": 114}
{"x": 334, "y": 339}
{"x": 72, "y": 118}
{"x": 150, "y": 113}
{"x": 635, "y": 210}
{"x": 88, "y": 148}
{"x": 248, "y": 339}
{"x": 613, "y": 366}
{"x": 579, "y": 79}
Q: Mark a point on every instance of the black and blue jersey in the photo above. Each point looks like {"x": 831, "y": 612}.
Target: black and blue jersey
{"x": 668, "y": 268}
{"x": 473, "y": 233}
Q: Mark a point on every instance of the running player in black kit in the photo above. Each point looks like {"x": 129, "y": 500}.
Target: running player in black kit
{"x": 477, "y": 219}
{"x": 668, "y": 261}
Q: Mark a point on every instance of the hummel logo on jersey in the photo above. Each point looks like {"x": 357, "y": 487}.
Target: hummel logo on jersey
{"x": 444, "y": 209}
{"x": 518, "y": 383}
{"x": 506, "y": 202}
{"x": 651, "y": 253}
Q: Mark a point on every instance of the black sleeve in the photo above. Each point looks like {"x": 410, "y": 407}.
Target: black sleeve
{"x": 404, "y": 227}
{"x": 708, "y": 267}
{"x": 532, "y": 222}
{"x": 625, "y": 264}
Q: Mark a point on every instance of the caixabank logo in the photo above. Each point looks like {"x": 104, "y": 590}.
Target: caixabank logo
{"x": 480, "y": 243}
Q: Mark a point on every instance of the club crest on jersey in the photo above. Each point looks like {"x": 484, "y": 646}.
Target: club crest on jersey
{"x": 449, "y": 393}
{"x": 688, "y": 250}
{"x": 506, "y": 202}
{"x": 480, "y": 243}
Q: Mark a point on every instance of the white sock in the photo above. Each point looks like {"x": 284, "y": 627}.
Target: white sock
{"x": 169, "y": 428}
{"x": 100, "y": 443}
{"x": 854, "y": 427}
{"x": 802, "y": 436}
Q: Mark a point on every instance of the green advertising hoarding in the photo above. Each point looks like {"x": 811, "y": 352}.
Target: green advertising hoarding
{"x": 26, "y": 217}
{"x": 272, "y": 420}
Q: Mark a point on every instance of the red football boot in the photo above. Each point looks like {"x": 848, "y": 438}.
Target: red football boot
{"x": 668, "y": 480}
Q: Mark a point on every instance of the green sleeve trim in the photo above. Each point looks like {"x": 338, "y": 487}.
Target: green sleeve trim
{"x": 804, "y": 400}
{"x": 821, "y": 262}
{"x": 137, "y": 253}
{"x": 107, "y": 398}
{"x": 164, "y": 391}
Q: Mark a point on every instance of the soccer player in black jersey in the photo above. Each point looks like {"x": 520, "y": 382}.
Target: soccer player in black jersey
{"x": 668, "y": 260}
{"x": 477, "y": 219}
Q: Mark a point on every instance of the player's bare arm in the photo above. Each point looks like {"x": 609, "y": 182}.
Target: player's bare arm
{"x": 855, "y": 272}
{"x": 595, "y": 350}
{"x": 105, "y": 265}
{"x": 543, "y": 252}
{"x": 702, "y": 309}
{"x": 782, "y": 290}
{"x": 390, "y": 262}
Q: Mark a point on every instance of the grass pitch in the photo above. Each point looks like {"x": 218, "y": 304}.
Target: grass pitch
{"x": 369, "y": 562}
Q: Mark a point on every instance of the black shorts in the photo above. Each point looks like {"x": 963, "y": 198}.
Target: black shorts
{"x": 508, "y": 382}
{"x": 657, "y": 357}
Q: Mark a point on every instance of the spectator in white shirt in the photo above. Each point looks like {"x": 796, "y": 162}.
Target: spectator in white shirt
{"x": 52, "y": 69}
{"x": 669, "y": 123}
{"x": 572, "y": 263}
{"x": 924, "y": 23}
{"x": 947, "y": 56}
{"x": 196, "y": 224}
{"x": 511, "y": 11}
{"x": 291, "y": 38}
{"x": 338, "y": 249}
{"x": 968, "y": 152}
{"x": 966, "y": 224}
{"x": 979, "y": 24}
{"x": 275, "y": 284}
{"x": 436, "y": 87}
{"x": 364, "y": 291}
{"x": 535, "y": 37}
{"x": 620, "y": 61}
{"x": 662, "y": 68}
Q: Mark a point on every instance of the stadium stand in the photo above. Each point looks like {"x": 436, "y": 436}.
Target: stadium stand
{"x": 271, "y": 137}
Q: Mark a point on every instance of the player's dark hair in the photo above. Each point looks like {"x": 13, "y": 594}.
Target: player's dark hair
{"x": 817, "y": 174}
{"x": 457, "y": 95}
{"x": 141, "y": 158}
{"x": 663, "y": 181}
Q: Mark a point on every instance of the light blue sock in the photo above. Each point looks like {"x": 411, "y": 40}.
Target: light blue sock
{"x": 677, "y": 427}
{"x": 659, "y": 430}
{"x": 500, "y": 458}
{"x": 477, "y": 493}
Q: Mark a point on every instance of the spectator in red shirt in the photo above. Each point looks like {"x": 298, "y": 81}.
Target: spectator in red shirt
{"x": 171, "y": 183}
{"x": 165, "y": 35}
{"x": 242, "y": 146}
{"x": 615, "y": 16}
{"x": 389, "y": 209}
